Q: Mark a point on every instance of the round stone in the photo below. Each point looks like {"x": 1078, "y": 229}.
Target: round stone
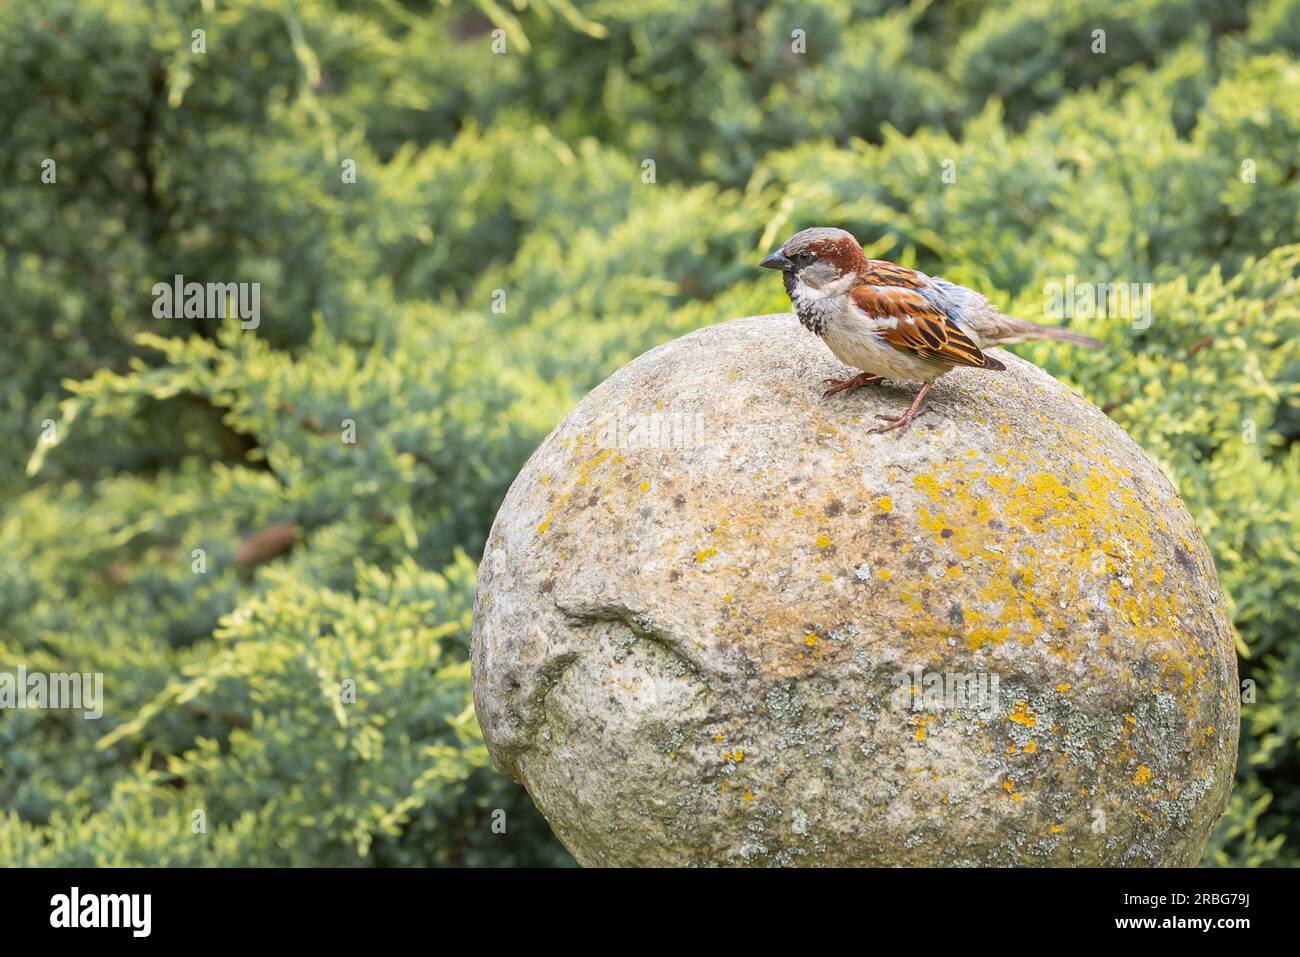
{"x": 721, "y": 622}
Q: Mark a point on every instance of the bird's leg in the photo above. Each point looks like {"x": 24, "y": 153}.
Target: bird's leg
{"x": 848, "y": 385}
{"x": 904, "y": 420}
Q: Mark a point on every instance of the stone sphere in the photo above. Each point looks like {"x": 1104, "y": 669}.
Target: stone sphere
{"x": 719, "y": 622}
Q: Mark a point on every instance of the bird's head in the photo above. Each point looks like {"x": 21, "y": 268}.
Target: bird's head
{"x": 817, "y": 257}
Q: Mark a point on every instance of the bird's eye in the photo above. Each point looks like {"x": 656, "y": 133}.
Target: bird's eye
{"x": 804, "y": 258}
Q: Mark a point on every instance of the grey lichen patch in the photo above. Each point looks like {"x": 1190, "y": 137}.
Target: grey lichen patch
{"x": 703, "y": 653}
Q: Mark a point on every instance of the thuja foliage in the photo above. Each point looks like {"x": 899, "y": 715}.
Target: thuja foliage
{"x": 264, "y": 538}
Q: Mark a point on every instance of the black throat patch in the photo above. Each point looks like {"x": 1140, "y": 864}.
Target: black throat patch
{"x": 809, "y": 312}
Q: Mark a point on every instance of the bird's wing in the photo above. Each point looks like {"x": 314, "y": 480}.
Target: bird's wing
{"x": 921, "y": 326}
{"x": 879, "y": 272}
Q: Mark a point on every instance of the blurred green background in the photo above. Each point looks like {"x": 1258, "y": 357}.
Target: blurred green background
{"x": 518, "y": 179}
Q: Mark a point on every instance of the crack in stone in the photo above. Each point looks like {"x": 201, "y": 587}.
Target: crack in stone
{"x": 640, "y": 624}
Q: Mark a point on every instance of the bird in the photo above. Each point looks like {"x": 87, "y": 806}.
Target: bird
{"x": 891, "y": 322}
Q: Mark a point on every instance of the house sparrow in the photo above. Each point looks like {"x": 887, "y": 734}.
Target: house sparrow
{"x": 893, "y": 322}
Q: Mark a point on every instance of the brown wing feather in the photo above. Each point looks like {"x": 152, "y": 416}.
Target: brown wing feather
{"x": 880, "y": 272}
{"x": 922, "y": 329}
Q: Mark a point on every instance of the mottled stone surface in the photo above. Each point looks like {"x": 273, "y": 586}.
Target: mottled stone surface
{"x": 708, "y": 595}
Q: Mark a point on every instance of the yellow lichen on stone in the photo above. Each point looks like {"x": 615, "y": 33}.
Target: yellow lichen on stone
{"x": 789, "y": 567}
{"x": 1021, "y": 715}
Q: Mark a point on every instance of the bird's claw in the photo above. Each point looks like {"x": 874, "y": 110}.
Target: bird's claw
{"x": 902, "y": 422}
{"x": 908, "y": 416}
{"x": 848, "y": 385}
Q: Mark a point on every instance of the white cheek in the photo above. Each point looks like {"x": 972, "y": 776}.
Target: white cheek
{"x": 833, "y": 289}
{"x": 806, "y": 292}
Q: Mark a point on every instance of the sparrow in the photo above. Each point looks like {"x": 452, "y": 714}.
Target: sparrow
{"x": 893, "y": 322}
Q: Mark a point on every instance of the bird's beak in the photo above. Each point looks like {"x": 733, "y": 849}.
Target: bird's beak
{"x": 777, "y": 261}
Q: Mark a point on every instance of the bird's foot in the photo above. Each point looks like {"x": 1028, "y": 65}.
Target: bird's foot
{"x": 907, "y": 418}
{"x": 895, "y": 422}
{"x": 848, "y": 385}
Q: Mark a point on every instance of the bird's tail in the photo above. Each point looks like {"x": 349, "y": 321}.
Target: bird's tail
{"x": 1014, "y": 331}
